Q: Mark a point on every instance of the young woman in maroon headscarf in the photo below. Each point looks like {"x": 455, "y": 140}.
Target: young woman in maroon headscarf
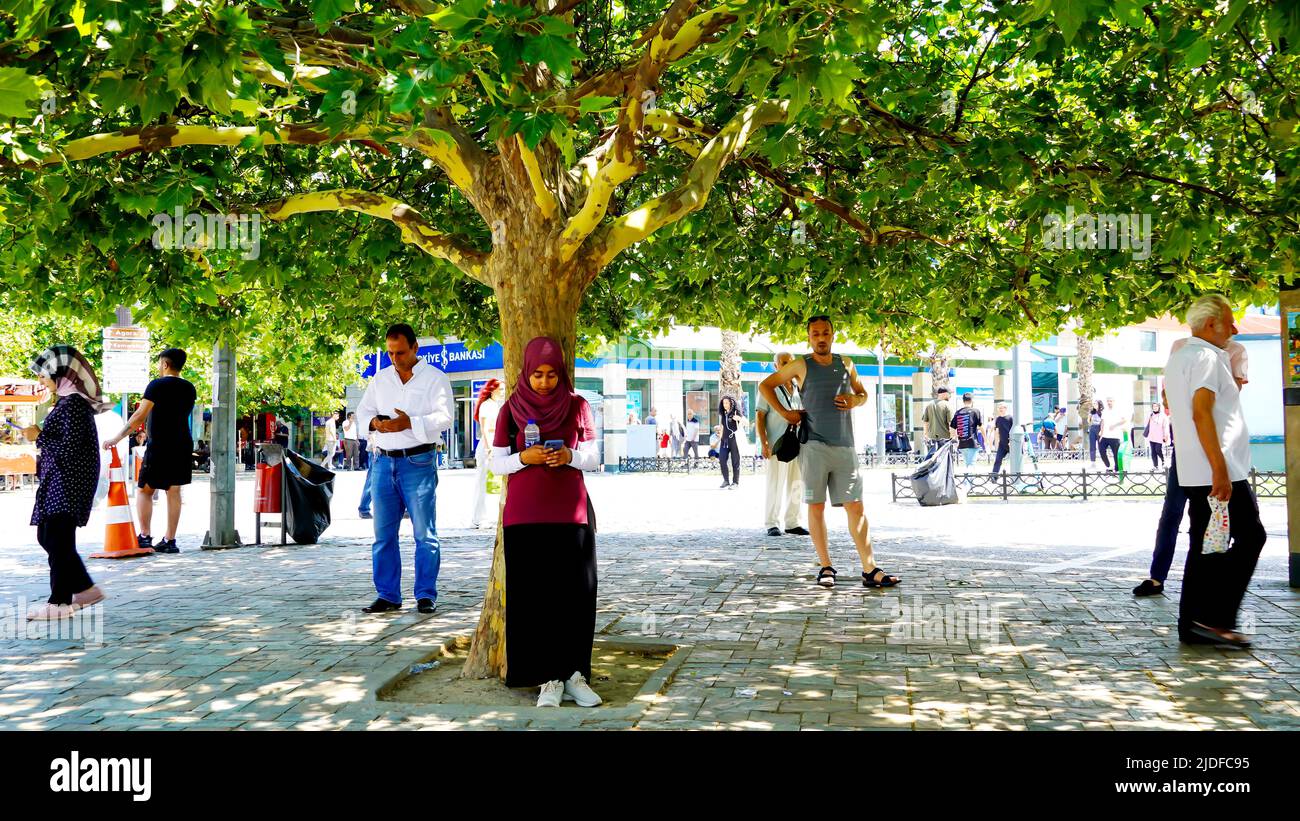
{"x": 549, "y": 531}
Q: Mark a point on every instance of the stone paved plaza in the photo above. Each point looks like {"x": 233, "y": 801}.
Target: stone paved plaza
{"x": 1012, "y": 615}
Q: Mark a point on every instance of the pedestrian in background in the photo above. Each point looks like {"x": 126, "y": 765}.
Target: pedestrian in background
{"x": 1094, "y": 430}
{"x": 166, "y": 410}
{"x": 728, "y": 447}
{"x": 350, "y": 445}
{"x": 68, "y": 473}
{"x": 691, "y": 445}
{"x": 1112, "y": 432}
{"x": 784, "y": 496}
{"x": 1001, "y": 436}
{"x": 937, "y": 421}
{"x": 965, "y": 422}
{"x": 486, "y": 409}
{"x": 1156, "y": 433}
{"x": 676, "y": 435}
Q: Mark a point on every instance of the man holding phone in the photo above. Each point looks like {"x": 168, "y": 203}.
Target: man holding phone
{"x": 405, "y": 409}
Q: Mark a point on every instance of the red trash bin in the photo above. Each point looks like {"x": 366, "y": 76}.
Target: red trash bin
{"x": 266, "y": 489}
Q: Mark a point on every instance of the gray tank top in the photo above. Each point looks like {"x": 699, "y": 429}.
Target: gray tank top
{"x": 829, "y": 424}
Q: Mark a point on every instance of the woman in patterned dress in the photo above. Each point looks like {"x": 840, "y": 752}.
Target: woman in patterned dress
{"x": 68, "y": 471}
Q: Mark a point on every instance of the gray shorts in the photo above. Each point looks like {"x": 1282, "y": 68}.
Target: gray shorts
{"x": 829, "y": 467}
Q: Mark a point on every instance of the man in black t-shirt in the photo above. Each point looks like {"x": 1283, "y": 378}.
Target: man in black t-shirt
{"x": 166, "y": 409}
{"x": 966, "y": 421}
{"x": 1002, "y": 430}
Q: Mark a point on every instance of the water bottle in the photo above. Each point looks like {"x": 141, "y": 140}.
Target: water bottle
{"x": 532, "y": 435}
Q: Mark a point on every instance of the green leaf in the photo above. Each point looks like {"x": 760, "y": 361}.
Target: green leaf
{"x": 589, "y": 104}
{"x": 17, "y": 90}
{"x": 1197, "y": 54}
{"x": 1069, "y": 16}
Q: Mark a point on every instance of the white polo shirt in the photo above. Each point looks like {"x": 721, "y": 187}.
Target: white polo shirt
{"x": 426, "y": 398}
{"x": 1196, "y": 365}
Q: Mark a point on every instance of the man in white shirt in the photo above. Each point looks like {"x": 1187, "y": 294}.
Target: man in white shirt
{"x": 784, "y": 481}
{"x": 406, "y": 407}
{"x": 691, "y": 445}
{"x": 350, "y": 442}
{"x": 1112, "y": 433}
{"x": 1213, "y": 463}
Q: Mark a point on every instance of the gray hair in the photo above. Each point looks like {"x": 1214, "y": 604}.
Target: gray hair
{"x": 1210, "y": 306}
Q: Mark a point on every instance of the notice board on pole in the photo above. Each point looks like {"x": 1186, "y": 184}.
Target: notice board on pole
{"x": 126, "y": 359}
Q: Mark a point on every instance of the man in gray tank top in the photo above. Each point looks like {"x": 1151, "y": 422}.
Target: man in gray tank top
{"x": 827, "y": 460}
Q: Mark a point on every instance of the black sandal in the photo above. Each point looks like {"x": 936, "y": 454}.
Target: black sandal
{"x": 869, "y": 579}
{"x": 826, "y": 576}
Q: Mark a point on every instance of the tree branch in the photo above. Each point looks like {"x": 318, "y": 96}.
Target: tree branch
{"x": 542, "y": 195}
{"x": 693, "y": 192}
{"x": 415, "y": 229}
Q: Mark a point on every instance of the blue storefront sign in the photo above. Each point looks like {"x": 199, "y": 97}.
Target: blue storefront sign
{"x": 453, "y": 357}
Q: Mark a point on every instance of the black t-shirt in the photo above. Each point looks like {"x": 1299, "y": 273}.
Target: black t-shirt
{"x": 1003, "y": 424}
{"x": 966, "y": 421}
{"x": 173, "y": 403}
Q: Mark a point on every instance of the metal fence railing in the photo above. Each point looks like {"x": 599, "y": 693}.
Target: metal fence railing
{"x": 682, "y": 464}
{"x": 1077, "y": 485}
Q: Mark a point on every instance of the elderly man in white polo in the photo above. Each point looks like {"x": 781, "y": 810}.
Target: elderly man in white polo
{"x": 1213, "y": 464}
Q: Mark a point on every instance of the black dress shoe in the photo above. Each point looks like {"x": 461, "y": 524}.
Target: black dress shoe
{"x": 797, "y": 531}
{"x": 1149, "y": 587}
{"x": 774, "y": 531}
{"x": 381, "y": 606}
{"x": 424, "y": 605}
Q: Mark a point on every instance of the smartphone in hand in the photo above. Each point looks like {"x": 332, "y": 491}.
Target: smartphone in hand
{"x": 554, "y": 444}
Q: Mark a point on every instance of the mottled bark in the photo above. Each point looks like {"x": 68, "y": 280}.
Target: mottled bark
{"x": 939, "y": 370}
{"x": 729, "y": 367}
{"x": 1084, "y": 365}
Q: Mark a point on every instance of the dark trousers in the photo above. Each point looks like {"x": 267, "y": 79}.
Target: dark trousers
{"x": 363, "y": 454}
{"x": 727, "y": 450}
{"x": 1157, "y": 454}
{"x": 58, "y": 535}
{"x": 1001, "y": 454}
{"x": 1113, "y": 446}
{"x": 1214, "y": 584}
{"x": 1094, "y": 433}
{"x": 1171, "y": 517}
{"x": 691, "y": 448}
{"x": 550, "y": 602}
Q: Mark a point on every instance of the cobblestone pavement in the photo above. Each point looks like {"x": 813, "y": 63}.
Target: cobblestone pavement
{"x": 1012, "y": 615}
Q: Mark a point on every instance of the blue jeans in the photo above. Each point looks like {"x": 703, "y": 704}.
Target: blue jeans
{"x": 1171, "y": 517}
{"x": 398, "y": 485}
{"x": 969, "y": 455}
{"x": 364, "y": 507}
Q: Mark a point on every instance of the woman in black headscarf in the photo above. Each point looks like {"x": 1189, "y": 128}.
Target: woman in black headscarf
{"x": 727, "y": 447}
{"x": 68, "y": 471}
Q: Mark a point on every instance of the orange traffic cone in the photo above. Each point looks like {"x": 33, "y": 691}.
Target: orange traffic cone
{"x": 119, "y": 530}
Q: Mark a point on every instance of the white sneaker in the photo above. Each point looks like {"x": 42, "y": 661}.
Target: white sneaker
{"x": 577, "y": 689}
{"x": 552, "y": 691}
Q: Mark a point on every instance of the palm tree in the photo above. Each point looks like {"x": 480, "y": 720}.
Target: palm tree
{"x": 1085, "y": 368}
{"x": 729, "y": 376}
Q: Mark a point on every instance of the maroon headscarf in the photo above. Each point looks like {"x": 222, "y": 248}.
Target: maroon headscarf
{"x": 552, "y": 413}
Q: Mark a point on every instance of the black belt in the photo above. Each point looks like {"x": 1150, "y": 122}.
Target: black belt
{"x": 398, "y": 454}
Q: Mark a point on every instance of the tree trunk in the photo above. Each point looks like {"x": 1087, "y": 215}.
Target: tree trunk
{"x": 939, "y": 369}
{"x": 536, "y": 296}
{"x": 729, "y": 367}
{"x": 1085, "y": 366}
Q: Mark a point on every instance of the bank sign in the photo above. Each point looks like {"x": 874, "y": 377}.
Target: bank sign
{"x": 453, "y": 357}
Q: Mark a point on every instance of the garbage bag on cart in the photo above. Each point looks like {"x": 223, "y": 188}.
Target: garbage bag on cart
{"x": 310, "y": 487}
{"x": 933, "y": 481}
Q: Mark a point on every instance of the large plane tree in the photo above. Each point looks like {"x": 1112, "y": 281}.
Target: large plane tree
{"x": 579, "y": 169}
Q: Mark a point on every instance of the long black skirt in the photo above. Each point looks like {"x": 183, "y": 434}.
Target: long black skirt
{"x": 550, "y": 602}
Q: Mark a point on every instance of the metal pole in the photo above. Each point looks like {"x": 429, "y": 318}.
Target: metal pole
{"x": 880, "y": 403}
{"x": 221, "y": 529}
{"x": 1017, "y": 435}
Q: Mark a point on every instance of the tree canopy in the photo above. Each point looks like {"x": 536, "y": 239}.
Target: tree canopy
{"x": 888, "y": 162}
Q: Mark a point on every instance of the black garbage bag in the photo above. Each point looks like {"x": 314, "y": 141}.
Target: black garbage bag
{"x": 933, "y": 481}
{"x": 310, "y": 487}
